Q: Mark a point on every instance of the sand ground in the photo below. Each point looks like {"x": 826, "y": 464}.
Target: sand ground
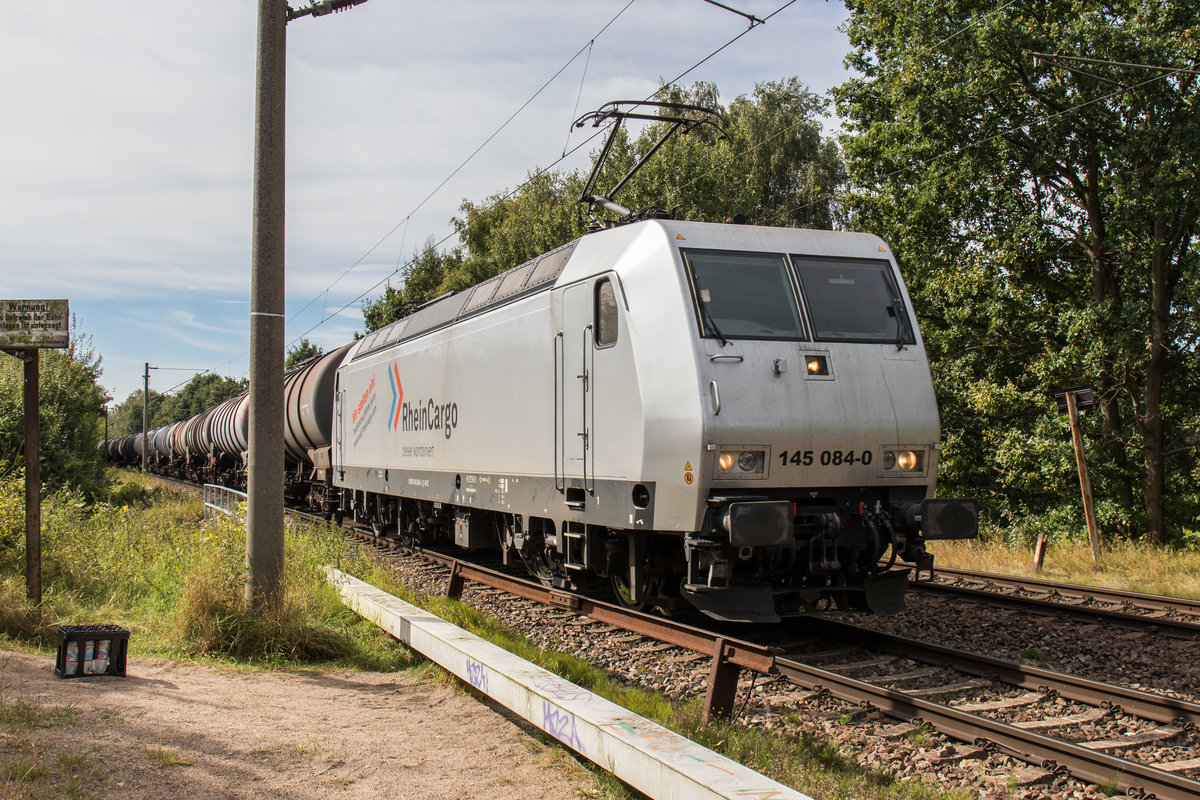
{"x": 174, "y": 729}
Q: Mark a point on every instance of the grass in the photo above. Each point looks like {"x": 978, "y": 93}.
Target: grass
{"x": 151, "y": 566}
{"x": 167, "y": 757}
{"x": 1123, "y": 565}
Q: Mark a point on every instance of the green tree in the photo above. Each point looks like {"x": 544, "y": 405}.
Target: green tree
{"x": 199, "y": 394}
{"x": 71, "y": 406}
{"x": 125, "y": 418}
{"x": 1047, "y": 215}
{"x": 773, "y": 166}
{"x": 300, "y": 352}
{"x": 422, "y": 282}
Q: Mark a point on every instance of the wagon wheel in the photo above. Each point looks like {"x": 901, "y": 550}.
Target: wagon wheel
{"x": 410, "y": 537}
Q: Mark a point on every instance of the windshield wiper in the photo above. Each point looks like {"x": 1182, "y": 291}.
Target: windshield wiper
{"x": 712, "y": 324}
{"x": 706, "y": 315}
{"x": 896, "y": 310}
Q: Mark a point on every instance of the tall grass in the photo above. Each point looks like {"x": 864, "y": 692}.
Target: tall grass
{"x": 1123, "y": 565}
{"x": 145, "y": 560}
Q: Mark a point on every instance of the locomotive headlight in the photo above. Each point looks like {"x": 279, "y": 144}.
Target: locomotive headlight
{"x": 741, "y": 462}
{"x": 748, "y": 461}
{"x": 904, "y": 460}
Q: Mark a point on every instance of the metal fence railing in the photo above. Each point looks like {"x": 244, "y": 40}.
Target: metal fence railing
{"x": 222, "y": 500}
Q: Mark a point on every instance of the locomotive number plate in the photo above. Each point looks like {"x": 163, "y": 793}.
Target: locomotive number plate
{"x": 826, "y": 458}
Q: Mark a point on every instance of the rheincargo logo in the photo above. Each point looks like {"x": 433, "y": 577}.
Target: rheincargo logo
{"x": 430, "y": 416}
{"x": 397, "y": 397}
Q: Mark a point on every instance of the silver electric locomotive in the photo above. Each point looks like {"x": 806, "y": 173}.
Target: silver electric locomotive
{"x": 734, "y": 416}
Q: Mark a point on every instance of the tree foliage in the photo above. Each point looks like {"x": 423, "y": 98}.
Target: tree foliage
{"x": 773, "y": 166}
{"x": 199, "y": 394}
{"x": 71, "y": 411}
{"x": 125, "y": 418}
{"x": 1047, "y": 215}
{"x": 300, "y": 352}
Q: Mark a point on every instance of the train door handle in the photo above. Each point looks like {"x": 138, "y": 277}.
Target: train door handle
{"x": 715, "y": 393}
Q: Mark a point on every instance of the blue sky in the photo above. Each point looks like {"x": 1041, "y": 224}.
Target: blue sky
{"x": 126, "y": 150}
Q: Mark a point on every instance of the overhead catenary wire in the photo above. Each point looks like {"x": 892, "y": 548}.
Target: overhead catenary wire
{"x": 474, "y": 153}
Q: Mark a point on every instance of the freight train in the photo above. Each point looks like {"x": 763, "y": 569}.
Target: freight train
{"x": 732, "y": 417}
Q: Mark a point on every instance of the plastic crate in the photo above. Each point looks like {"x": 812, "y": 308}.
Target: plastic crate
{"x": 77, "y": 642}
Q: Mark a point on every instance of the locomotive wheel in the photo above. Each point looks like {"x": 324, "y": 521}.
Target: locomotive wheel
{"x": 539, "y": 565}
{"x": 620, "y": 587}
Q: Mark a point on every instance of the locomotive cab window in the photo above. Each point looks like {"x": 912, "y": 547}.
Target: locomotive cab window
{"x": 606, "y": 314}
{"x": 743, "y": 295}
{"x": 853, "y": 299}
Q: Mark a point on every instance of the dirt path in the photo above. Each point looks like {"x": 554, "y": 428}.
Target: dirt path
{"x": 263, "y": 735}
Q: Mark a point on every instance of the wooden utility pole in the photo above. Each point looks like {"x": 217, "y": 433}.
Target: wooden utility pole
{"x": 26, "y": 326}
{"x": 33, "y": 481}
{"x": 1085, "y": 483}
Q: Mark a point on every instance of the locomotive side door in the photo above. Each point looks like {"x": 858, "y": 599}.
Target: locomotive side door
{"x": 574, "y": 409}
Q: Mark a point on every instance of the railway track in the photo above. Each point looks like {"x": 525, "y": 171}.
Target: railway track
{"x": 1141, "y": 743}
{"x": 1006, "y": 706}
{"x": 1013, "y": 707}
{"x": 1172, "y": 616}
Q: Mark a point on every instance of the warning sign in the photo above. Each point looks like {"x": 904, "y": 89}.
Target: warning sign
{"x": 29, "y": 324}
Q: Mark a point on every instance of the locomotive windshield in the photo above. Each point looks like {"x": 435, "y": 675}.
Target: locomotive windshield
{"x": 744, "y": 295}
{"x": 853, "y": 299}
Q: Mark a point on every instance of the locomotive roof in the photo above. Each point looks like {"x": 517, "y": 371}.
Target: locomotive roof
{"x": 533, "y": 276}
{"x": 541, "y": 273}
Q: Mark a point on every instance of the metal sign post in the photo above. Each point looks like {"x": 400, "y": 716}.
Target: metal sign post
{"x": 26, "y": 326}
{"x": 1072, "y": 401}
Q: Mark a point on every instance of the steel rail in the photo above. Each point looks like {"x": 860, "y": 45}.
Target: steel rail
{"x": 1104, "y": 594}
{"x": 1171, "y": 627}
{"x": 756, "y": 657}
{"x": 729, "y": 655}
{"x": 1142, "y": 704}
{"x": 1032, "y": 747}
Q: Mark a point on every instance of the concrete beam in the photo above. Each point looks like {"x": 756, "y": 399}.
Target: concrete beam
{"x": 647, "y": 756}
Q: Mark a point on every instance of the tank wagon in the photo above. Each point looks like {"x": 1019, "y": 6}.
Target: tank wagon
{"x": 734, "y": 417}
{"x": 739, "y": 417}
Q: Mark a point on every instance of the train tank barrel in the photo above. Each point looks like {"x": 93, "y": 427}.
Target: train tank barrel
{"x": 229, "y": 425}
{"x": 308, "y": 403}
{"x": 196, "y": 437}
{"x": 179, "y": 439}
